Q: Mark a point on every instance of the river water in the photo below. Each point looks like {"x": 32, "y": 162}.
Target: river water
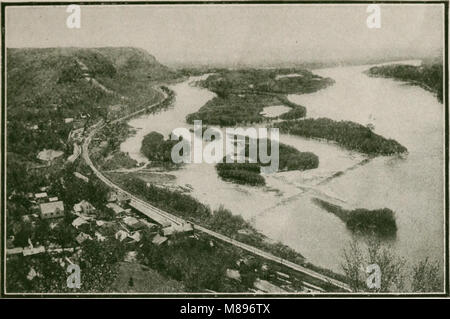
{"x": 412, "y": 186}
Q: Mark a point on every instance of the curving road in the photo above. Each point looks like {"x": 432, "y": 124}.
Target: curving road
{"x": 179, "y": 221}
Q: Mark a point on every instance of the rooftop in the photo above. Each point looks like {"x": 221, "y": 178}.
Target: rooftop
{"x": 52, "y": 207}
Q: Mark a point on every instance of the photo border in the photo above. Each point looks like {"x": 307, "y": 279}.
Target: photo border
{"x": 4, "y": 294}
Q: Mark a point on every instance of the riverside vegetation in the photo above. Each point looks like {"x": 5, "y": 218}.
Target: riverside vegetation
{"x": 242, "y": 94}
{"x": 379, "y": 222}
{"x": 428, "y": 75}
{"x": 249, "y": 173}
{"x": 350, "y": 135}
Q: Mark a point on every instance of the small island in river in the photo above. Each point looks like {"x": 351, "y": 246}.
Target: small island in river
{"x": 243, "y": 94}
{"x": 249, "y": 172}
{"x": 379, "y": 222}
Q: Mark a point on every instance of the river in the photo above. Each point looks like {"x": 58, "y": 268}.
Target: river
{"x": 411, "y": 186}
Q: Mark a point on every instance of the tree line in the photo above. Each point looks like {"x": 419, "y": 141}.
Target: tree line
{"x": 429, "y": 75}
{"x": 350, "y": 135}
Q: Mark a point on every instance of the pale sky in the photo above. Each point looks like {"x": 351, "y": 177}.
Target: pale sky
{"x": 249, "y": 34}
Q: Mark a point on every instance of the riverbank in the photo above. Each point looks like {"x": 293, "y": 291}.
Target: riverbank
{"x": 105, "y": 148}
{"x": 428, "y": 75}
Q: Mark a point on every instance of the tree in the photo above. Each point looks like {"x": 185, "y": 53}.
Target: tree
{"x": 426, "y": 277}
{"x": 65, "y": 234}
{"x": 357, "y": 259}
{"x": 351, "y": 265}
{"x": 43, "y": 232}
{"x": 21, "y": 238}
{"x": 131, "y": 282}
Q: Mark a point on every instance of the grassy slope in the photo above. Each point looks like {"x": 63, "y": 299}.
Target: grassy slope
{"x": 145, "y": 279}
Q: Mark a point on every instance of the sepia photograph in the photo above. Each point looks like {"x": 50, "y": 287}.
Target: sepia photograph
{"x": 224, "y": 149}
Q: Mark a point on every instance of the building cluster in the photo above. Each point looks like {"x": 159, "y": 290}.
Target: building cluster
{"x": 44, "y": 205}
{"x": 124, "y": 222}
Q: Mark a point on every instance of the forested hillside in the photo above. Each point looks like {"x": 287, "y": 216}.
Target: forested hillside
{"x": 51, "y": 90}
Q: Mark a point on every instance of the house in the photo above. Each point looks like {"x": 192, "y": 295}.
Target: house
{"x": 264, "y": 285}
{"x": 33, "y": 250}
{"x": 31, "y": 274}
{"x": 82, "y": 237}
{"x": 107, "y": 228}
{"x": 149, "y": 225}
{"x": 99, "y": 236}
{"x": 187, "y": 228}
{"x": 159, "y": 240}
{"x": 116, "y": 208}
{"x": 135, "y": 236}
{"x": 52, "y": 210}
{"x": 244, "y": 231}
{"x": 68, "y": 120}
{"x": 14, "y": 251}
{"x": 10, "y": 242}
{"x": 184, "y": 228}
{"x": 112, "y": 197}
{"x": 133, "y": 223}
{"x": 233, "y": 274}
{"x": 49, "y": 155}
{"x": 99, "y": 223}
{"x": 122, "y": 197}
{"x": 131, "y": 256}
{"x": 53, "y": 199}
{"x": 169, "y": 231}
{"x": 26, "y": 218}
{"x": 77, "y": 222}
{"x": 83, "y": 207}
{"x": 121, "y": 235}
{"x": 40, "y": 195}
{"x": 81, "y": 176}
{"x": 118, "y": 197}
{"x": 281, "y": 274}
{"x": 60, "y": 250}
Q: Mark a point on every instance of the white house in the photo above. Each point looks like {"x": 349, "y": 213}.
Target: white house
{"x": 52, "y": 210}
